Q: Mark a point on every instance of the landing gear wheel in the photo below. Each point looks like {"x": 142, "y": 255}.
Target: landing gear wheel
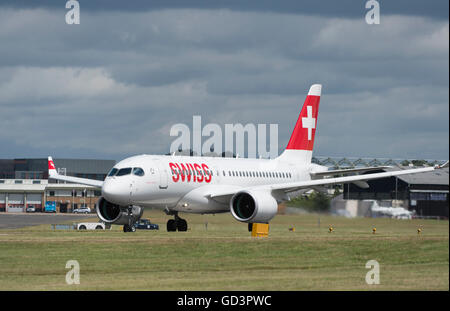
{"x": 181, "y": 225}
{"x": 128, "y": 228}
{"x": 171, "y": 225}
{"x": 250, "y": 226}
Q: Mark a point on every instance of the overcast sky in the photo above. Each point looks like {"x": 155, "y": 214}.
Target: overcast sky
{"x": 113, "y": 86}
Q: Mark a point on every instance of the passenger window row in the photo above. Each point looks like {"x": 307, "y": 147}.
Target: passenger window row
{"x": 258, "y": 174}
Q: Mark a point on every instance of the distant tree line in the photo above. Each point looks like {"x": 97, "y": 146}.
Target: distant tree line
{"x": 314, "y": 202}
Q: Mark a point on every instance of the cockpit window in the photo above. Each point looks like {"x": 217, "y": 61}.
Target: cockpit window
{"x": 138, "y": 171}
{"x": 112, "y": 172}
{"x": 124, "y": 171}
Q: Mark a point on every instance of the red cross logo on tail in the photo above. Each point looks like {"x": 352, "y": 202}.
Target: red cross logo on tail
{"x": 309, "y": 122}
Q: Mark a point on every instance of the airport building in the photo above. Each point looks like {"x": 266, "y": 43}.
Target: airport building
{"x": 427, "y": 194}
{"x": 24, "y": 183}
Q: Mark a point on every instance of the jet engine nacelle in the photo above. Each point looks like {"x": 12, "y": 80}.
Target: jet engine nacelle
{"x": 253, "y": 206}
{"x": 114, "y": 214}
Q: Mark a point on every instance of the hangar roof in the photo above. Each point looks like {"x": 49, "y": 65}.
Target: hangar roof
{"x": 436, "y": 177}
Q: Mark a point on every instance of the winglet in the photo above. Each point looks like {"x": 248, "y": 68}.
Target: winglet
{"x": 51, "y": 167}
{"x": 442, "y": 165}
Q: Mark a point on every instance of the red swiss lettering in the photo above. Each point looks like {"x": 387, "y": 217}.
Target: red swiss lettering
{"x": 207, "y": 173}
{"x": 175, "y": 176}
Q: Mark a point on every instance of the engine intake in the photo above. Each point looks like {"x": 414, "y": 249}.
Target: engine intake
{"x": 114, "y": 214}
{"x": 253, "y": 206}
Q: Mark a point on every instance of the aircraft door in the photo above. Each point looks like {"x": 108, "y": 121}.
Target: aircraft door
{"x": 163, "y": 175}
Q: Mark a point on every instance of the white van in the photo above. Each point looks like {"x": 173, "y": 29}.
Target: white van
{"x": 91, "y": 226}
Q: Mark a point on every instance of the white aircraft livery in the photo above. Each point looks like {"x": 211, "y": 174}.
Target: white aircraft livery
{"x": 250, "y": 189}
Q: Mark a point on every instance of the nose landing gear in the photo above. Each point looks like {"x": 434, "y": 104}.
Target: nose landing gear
{"x": 131, "y": 221}
{"x": 178, "y": 223}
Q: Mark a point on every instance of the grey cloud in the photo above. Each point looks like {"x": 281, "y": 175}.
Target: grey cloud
{"x": 113, "y": 86}
{"x": 343, "y": 8}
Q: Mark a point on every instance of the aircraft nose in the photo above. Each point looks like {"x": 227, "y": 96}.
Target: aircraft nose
{"x": 114, "y": 192}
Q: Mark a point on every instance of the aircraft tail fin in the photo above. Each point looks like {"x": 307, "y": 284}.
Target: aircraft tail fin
{"x": 301, "y": 143}
{"x": 51, "y": 167}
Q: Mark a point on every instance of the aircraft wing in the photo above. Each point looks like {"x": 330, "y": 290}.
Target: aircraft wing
{"x": 52, "y": 173}
{"x": 289, "y": 187}
{"x": 308, "y": 184}
{"x": 347, "y": 171}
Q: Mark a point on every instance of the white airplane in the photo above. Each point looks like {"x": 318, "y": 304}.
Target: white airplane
{"x": 250, "y": 189}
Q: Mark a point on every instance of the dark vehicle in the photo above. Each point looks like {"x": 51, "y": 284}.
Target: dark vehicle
{"x": 146, "y": 224}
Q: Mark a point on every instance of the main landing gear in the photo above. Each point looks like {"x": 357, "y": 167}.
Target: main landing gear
{"x": 176, "y": 224}
{"x": 128, "y": 228}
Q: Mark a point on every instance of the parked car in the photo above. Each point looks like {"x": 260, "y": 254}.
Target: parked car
{"x": 91, "y": 226}
{"x": 146, "y": 224}
{"x": 30, "y": 209}
{"x": 82, "y": 210}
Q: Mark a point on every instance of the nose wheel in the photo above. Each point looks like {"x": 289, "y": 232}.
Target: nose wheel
{"x": 178, "y": 223}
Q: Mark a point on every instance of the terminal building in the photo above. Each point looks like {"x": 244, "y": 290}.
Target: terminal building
{"x": 24, "y": 183}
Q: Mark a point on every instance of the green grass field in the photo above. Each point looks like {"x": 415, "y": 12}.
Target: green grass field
{"x": 225, "y": 257}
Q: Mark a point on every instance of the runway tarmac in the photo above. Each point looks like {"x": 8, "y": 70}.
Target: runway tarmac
{"x": 20, "y": 220}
